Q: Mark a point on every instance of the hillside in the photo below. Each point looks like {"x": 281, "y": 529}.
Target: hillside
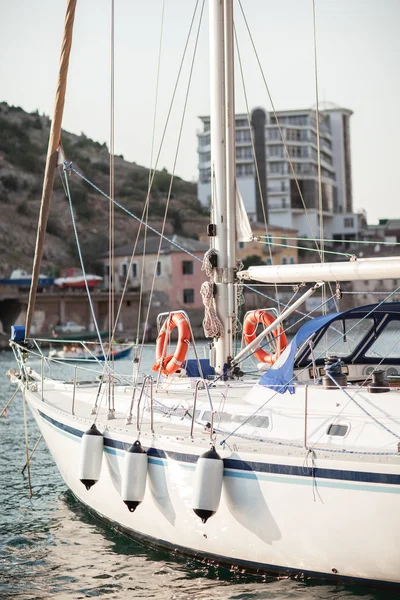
{"x": 23, "y": 147}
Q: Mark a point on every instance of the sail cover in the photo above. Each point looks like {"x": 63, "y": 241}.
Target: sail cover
{"x": 243, "y": 229}
{"x": 280, "y": 376}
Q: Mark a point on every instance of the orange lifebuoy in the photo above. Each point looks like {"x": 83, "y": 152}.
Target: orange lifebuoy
{"x": 171, "y": 363}
{"x": 253, "y": 318}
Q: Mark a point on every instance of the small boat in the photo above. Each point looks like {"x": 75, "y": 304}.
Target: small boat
{"x": 21, "y": 278}
{"x": 77, "y": 353}
{"x": 74, "y": 278}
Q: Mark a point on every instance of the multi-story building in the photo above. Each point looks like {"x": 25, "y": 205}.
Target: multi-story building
{"x": 173, "y": 276}
{"x": 177, "y": 276}
{"x": 269, "y": 182}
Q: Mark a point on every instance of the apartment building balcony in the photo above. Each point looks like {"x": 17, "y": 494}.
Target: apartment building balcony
{"x": 278, "y": 204}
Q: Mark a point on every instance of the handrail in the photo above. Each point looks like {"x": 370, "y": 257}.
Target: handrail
{"x": 196, "y": 391}
{"x": 146, "y": 379}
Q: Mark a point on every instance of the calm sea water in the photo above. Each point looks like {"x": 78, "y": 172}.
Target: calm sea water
{"x": 51, "y": 547}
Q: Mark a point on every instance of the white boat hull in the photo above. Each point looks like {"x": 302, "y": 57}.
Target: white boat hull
{"x": 279, "y": 513}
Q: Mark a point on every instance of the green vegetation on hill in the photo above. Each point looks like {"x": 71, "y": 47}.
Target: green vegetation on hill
{"x": 23, "y": 148}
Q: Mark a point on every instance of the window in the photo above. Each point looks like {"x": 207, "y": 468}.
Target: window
{"x": 205, "y": 157}
{"x": 339, "y": 430}
{"x": 204, "y": 140}
{"x": 244, "y": 152}
{"x": 284, "y": 260}
{"x": 188, "y": 296}
{"x": 268, "y": 242}
{"x": 253, "y": 421}
{"x": 273, "y": 134}
{"x": 291, "y": 260}
{"x": 340, "y": 340}
{"x": 205, "y": 175}
{"x": 158, "y": 269}
{"x": 277, "y": 167}
{"x": 275, "y": 151}
{"x": 187, "y": 267}
{"x": 348, "y": 222}
{"x": 300, "y": 120}
{"x": 134, "y": 271}
{"x": 224, "y": 418}
{"x": 241, "y": 245}
{"x": 124, "y": 269}
{"x": 388, "y": 343}
{"x": 293, "y": 135}
{"x": 243, "y": 135}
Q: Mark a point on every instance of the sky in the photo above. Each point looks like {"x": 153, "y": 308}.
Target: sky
{"x": 358, "y": 53}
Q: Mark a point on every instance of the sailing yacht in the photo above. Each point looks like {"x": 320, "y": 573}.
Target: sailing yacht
{"x": 294, "y": 473}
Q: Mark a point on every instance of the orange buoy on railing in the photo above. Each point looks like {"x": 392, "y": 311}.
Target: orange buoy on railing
{"x": 171, "y": 363}
{"x": 251, "y": 322}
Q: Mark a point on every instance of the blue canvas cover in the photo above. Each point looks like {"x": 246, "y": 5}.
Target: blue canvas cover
{"x": 17, "y": 333}
{"x": 280, "y": 375}
{"x": 192, "y": 369}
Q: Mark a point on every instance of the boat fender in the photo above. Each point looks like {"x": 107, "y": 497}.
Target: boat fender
{"x": 208, "y": 484}
{"x": 91, "y": 456}
{"x": 134, "y": 476}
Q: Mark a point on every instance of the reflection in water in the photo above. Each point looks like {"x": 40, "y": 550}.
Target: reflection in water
{"x": 52, "y": 547}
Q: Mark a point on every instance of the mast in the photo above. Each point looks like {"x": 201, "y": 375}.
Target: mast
{"x": 223, "y": 175}
{"x": 52, "y": 156}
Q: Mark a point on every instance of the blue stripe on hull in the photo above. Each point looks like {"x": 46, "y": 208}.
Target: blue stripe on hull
{"x": 249, "y": 469}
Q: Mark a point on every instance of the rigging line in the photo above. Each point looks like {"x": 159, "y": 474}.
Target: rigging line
{"x": 173, "y": 173}
{"x": 255, "y": 159}
{"x": 266, "y": 343}
{"x": 81, "y": 261}
{"x": 273, "y": 300}
{"x": 364, "y": 410}
{"x": 367, "y": 292}
{"x": 285, "y": 145}
{"x": 128, "y": 212}
{"x": 323, "y": 353}
{"x": 174, "y": 94}
{"x": 146, "y": 215}
{"x": 164, "y": 237}
{"x": 111, "y": 294}
{"x": 292, "y": 379}
{"x": 347, "y": 254}
{"x": 321, "y": 215}
{"x": 346, "y": 333}
{"x": 361, "y": 388}
{"x": 306, "y": 239}
{"x": 320, "y": 199}
{"x": 279, "y": 127}
{"x": 158, "y": 155}
{"x": 157, "y": 86}
{"x": 388, "y": 353}
{"x": 141, "y": 274}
